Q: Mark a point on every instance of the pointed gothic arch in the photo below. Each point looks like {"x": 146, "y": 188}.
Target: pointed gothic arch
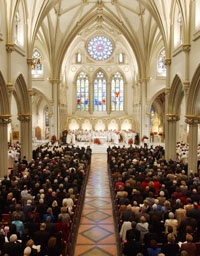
{"x": 193, "y": 107}
{"x": 175, "y": 96}
{"x": 22, "y": 96}
{"x": 4, "y": 99}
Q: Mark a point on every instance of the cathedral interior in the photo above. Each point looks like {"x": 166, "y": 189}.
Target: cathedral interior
{"x": 99, "y": 65}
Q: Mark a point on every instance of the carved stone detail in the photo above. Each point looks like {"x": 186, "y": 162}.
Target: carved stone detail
{"x": 167, "y": 61}
{"x": 186, "y": 47}
{"x": 5, "y": 119}
{"x": 172, "y": 117}
{"x": 24, "y": 118}
{"x": 10, "y": 48}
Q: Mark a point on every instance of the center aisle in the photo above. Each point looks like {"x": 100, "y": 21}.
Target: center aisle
{"x": 96, "y": 232}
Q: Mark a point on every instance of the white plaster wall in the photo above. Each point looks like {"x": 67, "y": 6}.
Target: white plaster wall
{"x": 3, "y": 64}
{"x": 194, "y": 57}
{"x": 18, "y": 66}
{"x": 177, "y": 66}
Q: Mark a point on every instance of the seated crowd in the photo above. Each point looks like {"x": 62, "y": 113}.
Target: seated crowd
{"x": 157, "y": 202}
{"x": 38, "y": 201}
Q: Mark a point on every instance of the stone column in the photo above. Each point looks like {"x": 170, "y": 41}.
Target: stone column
{"x": 193, "y": 142}
{"x": 167, "y": 90}
{"x": 172, "y": 121}
{"x": 54, "y": 124}
{"x": 26, "y": 135}
{"x": 186, "y": 49}
{"x": 143, "y": 107}
{"x": 108, "y": 97}
{"x": 91, "y": 98}
{"x": 10, "y": 48}
{"x": 4, "y": 121}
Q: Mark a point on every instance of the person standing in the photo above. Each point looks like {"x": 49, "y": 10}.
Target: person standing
{"x": 41, "y": 238}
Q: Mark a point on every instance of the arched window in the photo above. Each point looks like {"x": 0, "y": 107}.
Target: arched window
{"x": 100, "y": 48}
{"x": 121, "y": 58}
{"x": 100, "y": 92}
{"x": 161, "y": 68}
{"x": 178, "y": 28}
{"x": 37, "y": 67}
{"x": 82, "y": 92}
{"x": 117, "y": 92}
{"x": 197, "y": 16}
{"x": 19, "y": 27}
{"x": 78, "y": 58}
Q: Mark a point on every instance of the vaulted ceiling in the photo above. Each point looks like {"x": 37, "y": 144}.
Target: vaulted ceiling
{"x": 143, "y": 24}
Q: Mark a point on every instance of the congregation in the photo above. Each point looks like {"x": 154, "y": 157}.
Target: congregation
{"x": 157, "y": 201}
{"x": 39, "y": 200}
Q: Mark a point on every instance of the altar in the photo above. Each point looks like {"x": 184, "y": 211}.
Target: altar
{"x": 99, "y": 139}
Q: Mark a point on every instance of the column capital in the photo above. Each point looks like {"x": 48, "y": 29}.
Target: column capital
{"x": 10, "y": 47}
{"x": 193, "y": 120}
{"x": 24, "y": 117}
{"x": 54, "y": 80}
{"x": 186, "y": 47}
{"x": 172, "y": 117}
{"x": 167, "y": 61}
{"x": 5, "y": 119}
{"x": 29, "y": 61}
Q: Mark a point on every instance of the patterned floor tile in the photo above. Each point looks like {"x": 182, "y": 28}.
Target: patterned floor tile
{"x": 96, "y": 233}
{"x": 97, "y": 216}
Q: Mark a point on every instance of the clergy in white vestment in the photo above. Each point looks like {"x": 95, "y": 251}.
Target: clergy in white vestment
{"x": 69, "y": 138}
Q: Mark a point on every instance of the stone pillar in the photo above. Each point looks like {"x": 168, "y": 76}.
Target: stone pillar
{"x": 4, "y": 121}
{"x": 167, "y": 90}
{"x": 108, "y": 97}
{"x": 186, "y": 49}
{"x": 91, "y": 98}
{"x": 93, "y": 122}
{"x": 10, "y": 48}
{"x": 26, "y": 135}
{"x": 193, "y": 142}
{"x": 172, "y": 121}
{"x": 54, "y": 124}
{"x": 106, "y": 120}
{"x": 143, "y": 107}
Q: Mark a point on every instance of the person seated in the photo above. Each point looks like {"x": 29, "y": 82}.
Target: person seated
{"x": 171, "y": 247}
{"x": 189, "y": 246}
{"x": 153, "y": 250}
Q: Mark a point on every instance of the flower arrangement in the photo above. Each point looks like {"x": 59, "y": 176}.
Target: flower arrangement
{"x": 97, "y": 141}
{"x": 130, "y": 141}
{"x": 53, "y": 138}
{"x": 144, "y": 137}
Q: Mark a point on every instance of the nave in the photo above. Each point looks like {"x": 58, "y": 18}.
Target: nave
{"x": 97, "y": 233}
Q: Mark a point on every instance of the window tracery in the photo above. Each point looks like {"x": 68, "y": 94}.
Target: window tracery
{"x": 100, "y": 48}
{"x": 117, "y": 92}
{"x": 82, "y": 92}
{"x": 37, "y": 66}
{"x": 100, "y": 92}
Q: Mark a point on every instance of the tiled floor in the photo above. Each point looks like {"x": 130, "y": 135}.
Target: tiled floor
{"x": 96, "y": 233}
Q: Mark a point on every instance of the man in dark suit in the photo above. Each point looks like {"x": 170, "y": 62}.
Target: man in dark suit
{"x": 133, "y": 233}
{"x": 13, "y": 247}
{"x": 132, "y": 245}
{"x": 41, "y": 238}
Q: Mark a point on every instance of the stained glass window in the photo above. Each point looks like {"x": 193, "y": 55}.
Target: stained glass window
{"x": 37, "y": 67}
{"x": 100, "y": 48}
{"x": 161, "y": 63}
{"x": 82, "y": 92}
{"x": 117, "y": 92}
{"x": 100, "y": 92}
